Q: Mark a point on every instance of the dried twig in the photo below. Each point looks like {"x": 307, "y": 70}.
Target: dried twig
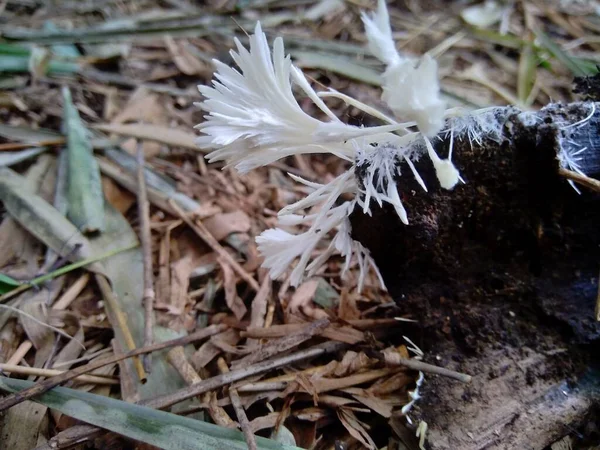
{"x": 588, "y": 182}
{"x": 227, "y": 378}
{"x": 22, "y": 370}
{"x": 71, "y": 436}
{"x": 239, "y": 409}
{"x": 393, "y": 358}
{"x": 283, "y": 344}
{"x": 177, "y": 358}
{"x": 146, "y": 240}
{"x": 44, "y": 386}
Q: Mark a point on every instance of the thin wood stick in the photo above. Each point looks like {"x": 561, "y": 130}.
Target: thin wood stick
{"x": 176, "y": 356}
{"x": 235, "y": 375}
{"x": 283, "y": 344}
{"x": 71, "y": 294}
{"x": 146, "y": 240}
{"x": 20, "y": 353}
{"x": 239, "y": 409}
{"x": 119, "y": 317}
{"x": 23, "y": 145}
{"x": 44, "y": 386}
{"x": 71, "y": 436}
{"x": 588, "y": 182}
{"x": 394, "y": 359}
{"x": 205, "y": 235}
{"x": 22, "y": 370}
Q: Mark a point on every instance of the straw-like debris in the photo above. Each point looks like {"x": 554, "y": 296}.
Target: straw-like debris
{"x": 323, "y": 356}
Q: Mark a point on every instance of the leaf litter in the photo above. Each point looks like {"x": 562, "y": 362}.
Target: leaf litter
{"x": 318, "y": 366}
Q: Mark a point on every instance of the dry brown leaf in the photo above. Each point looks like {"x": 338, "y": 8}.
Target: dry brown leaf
{"x": 180, "y": 282}
{"x": 151, "y": 148}
{"x": 376, "y": 404}
{"x": 264, "y": 422}
{"x": 234, "y": 302}
{"x": 119, "y": 198}
{"x": 355, "y": 427}
{"x": 312, "y": 414}
{"x": 208, "y": 351}
{"x": 218, "y": 414}
{"x": 391, "y": 384}
{"x": 348, "y": 309}
{"x": 142, "y": 106}
{"x": 222, "y": 225}
{"x": 24, "y": 426}
{"x": 35, "y": 304}
{"x": 330, "y": 384}
{"x": 184, "y": 60}
{"x": 303, "y": 295}
{"x": 353, "y": 362}
{"x": 166, "y": 135}
{"x": 258, "y": 309}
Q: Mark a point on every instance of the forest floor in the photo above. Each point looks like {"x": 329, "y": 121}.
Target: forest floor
{"x": 130, "y": 70}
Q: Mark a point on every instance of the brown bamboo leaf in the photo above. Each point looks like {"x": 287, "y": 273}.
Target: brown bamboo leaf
{"x": 119, "y": 198}
{"x": 376, "y": 404}
{"x": 163, "y": 134}
{"x": 355, "y": 427}
{"x": 303, "y": 295}
{"x": 234, "y": 302}
{"x": 184, "y": 60}
{"x": 24, "y": 426}
{"x": 222, "y": 225}
{"x": 142, "y": 106}
{"x": 208, "y": 351}
{"x": 180, "y": 282}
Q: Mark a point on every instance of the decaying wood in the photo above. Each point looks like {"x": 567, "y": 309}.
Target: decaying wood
{"x": 502, "y": 273}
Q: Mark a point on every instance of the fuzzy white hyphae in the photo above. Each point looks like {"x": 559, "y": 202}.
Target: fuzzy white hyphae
{"x": 253, "y": 119}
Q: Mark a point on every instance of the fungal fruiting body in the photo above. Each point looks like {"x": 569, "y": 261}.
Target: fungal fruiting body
{"x": 254, "y": 119}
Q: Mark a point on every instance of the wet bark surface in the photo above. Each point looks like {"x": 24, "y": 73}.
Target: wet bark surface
{"x": 502, "y": 274}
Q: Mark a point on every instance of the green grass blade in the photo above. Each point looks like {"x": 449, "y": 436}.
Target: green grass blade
{"x": 527, "y": 73}
{"x": 159, "y": 428}
{"x": 10, "y": 158}
{"x": 573, "y": 64}
{"x": 7, "y": 283}
{"x": 14, "y": 63}
{"x": 84, "y": 192}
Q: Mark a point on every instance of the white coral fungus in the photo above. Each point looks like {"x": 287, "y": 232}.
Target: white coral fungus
{"x": 253, "y": 119}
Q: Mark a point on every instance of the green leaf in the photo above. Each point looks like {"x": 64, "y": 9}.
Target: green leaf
{"x": 159, "y": 428}
{"x": 10, "y": 158}
{"x": 575, "y": 65}
{"x": 20, "y": 63}
{"x": 84, "y": 192}
{"x": 348, "y": 67}
{"x": 41, "y": 219}
{"x": 526, "y": 74}
{"x": 7, "y": 283}
{"x": 326, "y": 295}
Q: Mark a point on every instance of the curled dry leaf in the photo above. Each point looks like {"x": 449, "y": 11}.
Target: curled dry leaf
{"x": 234, "y": 302}
{"x": 303, "y": 296}
{"x": 222, "y": 225}
{"x": 355, "y": 427}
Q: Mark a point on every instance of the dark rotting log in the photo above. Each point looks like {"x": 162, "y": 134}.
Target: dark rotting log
{"x": 502, "y": 273}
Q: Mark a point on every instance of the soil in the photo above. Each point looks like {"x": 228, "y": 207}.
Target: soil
{"x": 502, "y": 274}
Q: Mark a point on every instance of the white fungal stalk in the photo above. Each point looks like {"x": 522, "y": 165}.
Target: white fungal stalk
{"x": 253, "y": 119}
